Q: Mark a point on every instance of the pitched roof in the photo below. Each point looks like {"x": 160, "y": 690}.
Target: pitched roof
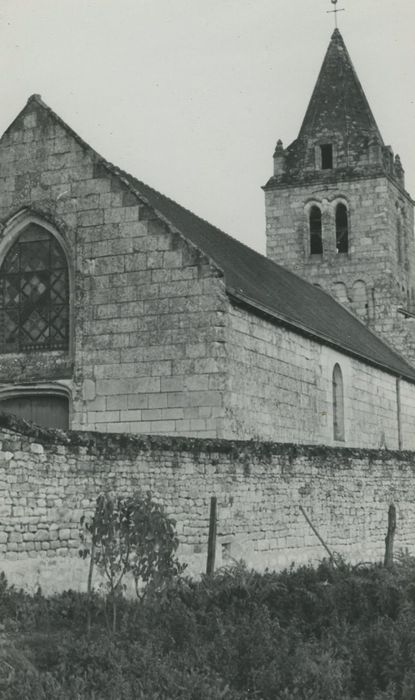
{"x": 257, "y": 281}
{"x": 275, "y": 291}
{"x": 338, "y": 102}
{"x": 338, "y": 112}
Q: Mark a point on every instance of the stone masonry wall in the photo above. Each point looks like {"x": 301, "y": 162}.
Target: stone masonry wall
{"x": 281, "y": 388}
{"x": 372, "y": 245}
{"x": 150, "y": 355}
{"x": 49, "y": 479}
{"x": 147, "y": 319}
{"x": 155, "y": 345}
{"x": 377, "y": 275}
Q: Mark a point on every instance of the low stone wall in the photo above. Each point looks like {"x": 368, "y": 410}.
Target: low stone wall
{"x": 48, "y": 479}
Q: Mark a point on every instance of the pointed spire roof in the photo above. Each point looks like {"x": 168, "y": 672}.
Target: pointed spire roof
{"x": 338, "y": 102}
{"x": 338, "y": 114}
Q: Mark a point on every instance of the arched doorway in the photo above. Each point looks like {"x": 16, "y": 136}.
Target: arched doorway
{"x": 47, "y": 410}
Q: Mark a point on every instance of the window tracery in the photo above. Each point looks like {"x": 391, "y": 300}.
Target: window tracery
{"x": 34, "y": 294}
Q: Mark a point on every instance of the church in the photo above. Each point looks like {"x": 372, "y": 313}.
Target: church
{"x": 122, "y": 311}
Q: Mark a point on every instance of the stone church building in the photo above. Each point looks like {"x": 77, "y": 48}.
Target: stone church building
{"x": 122, "y": 311}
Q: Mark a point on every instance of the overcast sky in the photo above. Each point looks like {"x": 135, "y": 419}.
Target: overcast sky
{"x": 191, "y": 95}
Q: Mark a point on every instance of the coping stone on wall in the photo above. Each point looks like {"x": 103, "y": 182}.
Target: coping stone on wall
{"x": 127, "y": 445}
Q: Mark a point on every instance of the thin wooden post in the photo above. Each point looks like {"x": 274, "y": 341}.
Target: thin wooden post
{"x": 390, "y": 536}
{"x": 89, "y": 588}
{"x": 319, "y": 537}
{"x": 399, "y": 412}
{"x": 210, "y": 564}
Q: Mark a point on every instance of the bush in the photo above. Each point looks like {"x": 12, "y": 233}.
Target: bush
{"x": 317, "y": 634}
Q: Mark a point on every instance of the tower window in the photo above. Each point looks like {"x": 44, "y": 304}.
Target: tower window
{"x": 338, "y": 404}
{"x": 34, "y": 294}
{"x": 399, "y": 241}
{"x": 342, "y": 229}
{"x": 316, "y": 240}
{"x": 326, "y": 156}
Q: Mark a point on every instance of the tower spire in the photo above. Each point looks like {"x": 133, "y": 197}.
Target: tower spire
{"x": 335, "y": 11}
{"x": 338, "y": 103}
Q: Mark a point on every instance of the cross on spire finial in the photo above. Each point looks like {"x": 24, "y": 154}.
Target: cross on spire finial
{"x": 335, "y": 11}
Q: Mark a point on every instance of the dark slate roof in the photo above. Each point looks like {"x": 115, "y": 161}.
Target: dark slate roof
{"x": 272, "y": 289}
{"x": 338, "y": 102}
{"x": 338, "y": 112}
{"x": 255, "y": 280}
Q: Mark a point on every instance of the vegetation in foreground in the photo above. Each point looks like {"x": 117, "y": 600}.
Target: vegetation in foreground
{"x": 318, "y": 634}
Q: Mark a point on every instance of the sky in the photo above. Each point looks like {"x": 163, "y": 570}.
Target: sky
{"x": 191, "y": 96}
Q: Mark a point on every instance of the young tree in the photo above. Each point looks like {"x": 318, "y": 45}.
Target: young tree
{"x": 131, "y": 534}
{"x": 153, "y": 544}
{"x": 109, "y": 548}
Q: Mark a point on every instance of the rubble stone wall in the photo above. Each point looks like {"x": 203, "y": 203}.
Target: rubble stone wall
{"x": 49, "y": 479}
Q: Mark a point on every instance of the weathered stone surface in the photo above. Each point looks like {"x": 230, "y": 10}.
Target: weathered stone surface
{"x": 158, "y": 346}
{"x": 138, "y": 290}
{"x": 374, "y": 276}
{"x": 259, "y": 486}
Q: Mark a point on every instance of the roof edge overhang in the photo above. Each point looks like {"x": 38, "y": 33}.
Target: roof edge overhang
{"x": 242, "y": 300}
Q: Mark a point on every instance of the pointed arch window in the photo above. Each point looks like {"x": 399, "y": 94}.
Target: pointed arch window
{"x": 338, "y": 404}
{"x": 34, "y": 294}
{"x": 342, "y": 229}
{"x": 316, "y": 239}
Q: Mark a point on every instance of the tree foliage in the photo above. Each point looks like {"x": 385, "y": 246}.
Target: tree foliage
{"x": 129, "y": 535}
{"x": 153, "y": 543}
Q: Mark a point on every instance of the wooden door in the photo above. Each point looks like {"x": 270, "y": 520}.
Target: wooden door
{"x": 47, "y": 411}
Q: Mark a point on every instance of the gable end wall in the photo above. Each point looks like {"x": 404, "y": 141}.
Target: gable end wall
{"x": 147, "y": 353}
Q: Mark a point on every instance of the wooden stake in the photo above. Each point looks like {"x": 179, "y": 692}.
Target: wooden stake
{"x": 390, "y": 536}
{"x": 210, "y": 564}
{"x": 317, "y": 534}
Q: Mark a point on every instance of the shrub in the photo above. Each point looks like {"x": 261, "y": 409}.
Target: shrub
{"x": 305, "y": 634}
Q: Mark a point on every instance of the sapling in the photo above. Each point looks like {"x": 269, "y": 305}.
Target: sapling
{"x": 132, "y": 534}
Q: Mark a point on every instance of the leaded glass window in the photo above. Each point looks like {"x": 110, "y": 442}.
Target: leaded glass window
{"x": 34, "y": 294}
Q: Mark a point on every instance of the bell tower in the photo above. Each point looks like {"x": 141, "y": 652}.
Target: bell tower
{"x": 337, "y": 212}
